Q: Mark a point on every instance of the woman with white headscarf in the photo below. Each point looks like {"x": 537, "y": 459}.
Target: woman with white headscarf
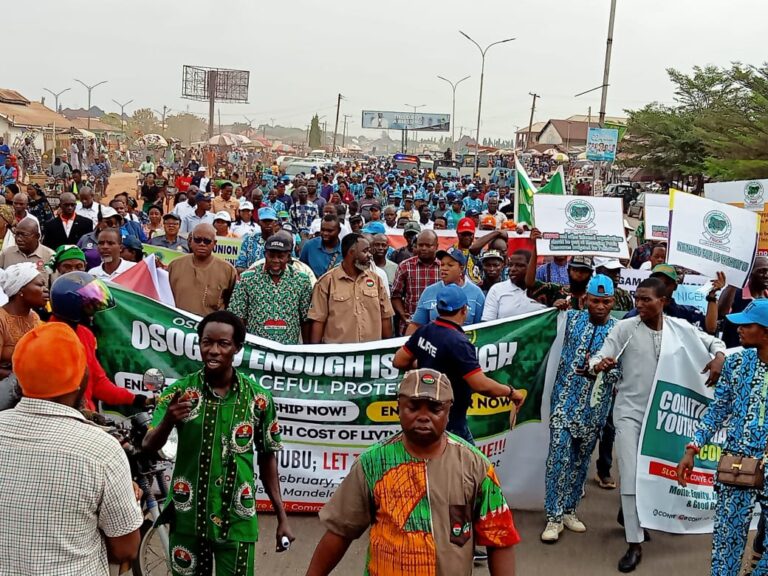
{"x": 26, "y": 289}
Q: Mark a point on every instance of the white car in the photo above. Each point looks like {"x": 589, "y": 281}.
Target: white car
{"x": 284, "y": 161}
{"x": 304, "y": 165}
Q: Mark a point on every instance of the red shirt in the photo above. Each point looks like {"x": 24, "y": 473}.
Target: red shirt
{"x": 99, "y": 386}
{"x": 182, "y": 183}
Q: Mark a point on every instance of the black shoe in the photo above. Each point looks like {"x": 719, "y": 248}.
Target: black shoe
{"x": 480, "y": 555}
{"x": 647, "y": 535}
{"x": 620, "y": 517}
{"x": 631, "y": 559}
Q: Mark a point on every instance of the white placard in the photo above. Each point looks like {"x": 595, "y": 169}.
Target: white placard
{"x": 750, "y": 193}
{"x": 656, "y": 211}
{"x": 572, "y": 225}
{"x": 709, "y": 237}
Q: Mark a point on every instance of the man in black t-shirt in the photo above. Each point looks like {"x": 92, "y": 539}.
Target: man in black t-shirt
{"x": 442, "y": 345}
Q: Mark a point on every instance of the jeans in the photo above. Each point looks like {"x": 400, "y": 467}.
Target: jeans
{"x": 605, "y": 449}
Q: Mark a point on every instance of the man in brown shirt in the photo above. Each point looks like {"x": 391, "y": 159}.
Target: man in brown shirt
{"x": 27, "y": 248}
{"x": 426, "y": 495}
{"x": 200, "y": 282}
{"x": 225, "y": 201}
{"x": 350, "y": 303}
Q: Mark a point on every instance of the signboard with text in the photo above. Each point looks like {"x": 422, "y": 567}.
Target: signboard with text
{"x": 601, "y": 144}
{"x": 749, "y": 194}
{"x": 656, "y": 212}
{"x": 424, "y": 121}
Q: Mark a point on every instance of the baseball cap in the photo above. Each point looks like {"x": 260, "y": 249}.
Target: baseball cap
{"x": 376, "y": 206}
{"x": 607, "y": 263}
{"x": 267, "y": 214}
{"x": 472, "y": 212}
{"x": 42, "y": 374}
{"x": 451, "y": 298}
{"x": 488, "y": 254}
{"x": 450, "y": 196}
{"x": 412, "y": 227}
{"x": 246, "y": 205}
{"x": 426, "y": 384}
{"x": 202, "y": 197}
{"x": 454, "y": 253}
{"x": 201, "y": 169}
{"x": 488, "y": 220}
{"x": 277, "y": 244}
{"x": 374, "y": 228}
{"x": 584, "y": 262}
{"x": 222, "y": 215}
{"x": 132, "y": 242}
{"x": 665, "y": 270}
{"x": 171, "y": 216}
{"x": 465, "y": 225}
{"x": 283, "y": 214}
{"x": 108, "y": 212}
{"x": 755, "y": 313}
{"x": 600, "y": 285}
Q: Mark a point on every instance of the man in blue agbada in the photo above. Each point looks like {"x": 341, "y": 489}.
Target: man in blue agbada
{"x": 579, "y": 408}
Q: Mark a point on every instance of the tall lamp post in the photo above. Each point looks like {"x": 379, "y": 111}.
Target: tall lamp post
{"x": 90, "y": 89}
{"x": 122, "y": 114}
{"x": 480, "y": 99}
{"x": 415, "y": 139}
{"x": 56, "y": 98}
{"x": 453, "y": 107}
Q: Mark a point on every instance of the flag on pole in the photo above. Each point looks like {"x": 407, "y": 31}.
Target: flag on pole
{"x": 524, "y": 191}
{"x": 556, "y": 185}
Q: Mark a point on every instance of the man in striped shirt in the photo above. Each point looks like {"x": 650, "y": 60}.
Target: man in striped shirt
{"x": 413, "y": 276}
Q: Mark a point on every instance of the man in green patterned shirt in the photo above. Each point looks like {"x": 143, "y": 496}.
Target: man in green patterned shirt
{"x": 273, "y": 300}
{"x": 222, "y": 418}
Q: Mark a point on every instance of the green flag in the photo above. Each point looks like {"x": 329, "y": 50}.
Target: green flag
{"x": 556, "y": 185}
{"x": 524, "y": 191}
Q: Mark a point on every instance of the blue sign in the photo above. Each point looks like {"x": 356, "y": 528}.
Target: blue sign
{"x": 601, "y": 144}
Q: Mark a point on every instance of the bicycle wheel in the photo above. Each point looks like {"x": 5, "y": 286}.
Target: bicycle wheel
{"x": 152, "y": 559}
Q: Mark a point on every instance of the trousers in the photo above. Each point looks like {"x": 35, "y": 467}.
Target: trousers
{"x": 567, "y": 466}
{"x": 605, "y": 450}
{"x": 732, "y": 518}
{"x": 193, "y": 556}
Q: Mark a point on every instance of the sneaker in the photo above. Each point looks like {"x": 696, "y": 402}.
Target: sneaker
{"x": 572, "y": 522}
{"x": 606, "y": 483}
{"x": 479, "y": 555}
{"x": 551, "y": 533}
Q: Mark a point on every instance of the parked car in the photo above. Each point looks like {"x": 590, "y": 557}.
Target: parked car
{"x": 622, "y": 190}
{"x": 636, "y": 207}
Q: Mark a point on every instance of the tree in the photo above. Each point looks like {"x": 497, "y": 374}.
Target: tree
{"x": 186, "y": 127}
{"x": 315, "y": 137}
{"x": 240, "y": 128}
{"x": 143, "y": 122}
{"x": 113, "y": 119}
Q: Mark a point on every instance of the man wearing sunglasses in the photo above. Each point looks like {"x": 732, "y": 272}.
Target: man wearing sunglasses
{"x": 200, "y": 282}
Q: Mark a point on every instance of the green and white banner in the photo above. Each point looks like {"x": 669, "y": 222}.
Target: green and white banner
{"x": 335, "y": 400}
{"x": 226, "y": 249}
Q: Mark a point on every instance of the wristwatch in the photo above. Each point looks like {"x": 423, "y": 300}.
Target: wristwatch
{"x": 711, "y": 297}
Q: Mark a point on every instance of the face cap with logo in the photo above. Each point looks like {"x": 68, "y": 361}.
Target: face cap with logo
{"x": 607, "y": 263}
{"x": 454, "y": 253}
{"x": 277, "y": 245}
{"x": 600, "y": 285}
{"x": 465, "y": 225}
{"x": 267, "y": 214}
{"x": 583, "y": 262}
{"x": 755, "y": 313}
{"x": 490, "y": 254}
{"x": 665, "y": 270}
{"x": 426, "y": 384}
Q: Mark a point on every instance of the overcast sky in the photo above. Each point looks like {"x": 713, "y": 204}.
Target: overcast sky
{"x": 380, "y": 56}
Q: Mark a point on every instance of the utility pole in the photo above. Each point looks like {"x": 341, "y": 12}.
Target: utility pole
{"x": 219, "y": 111}
{"x": 415, "y": 133}
{"x": 122, "y": 114}
{"x": 53, "y": 135}
{"x": 90, "y": 89}
{"x": 530, "y": 122}
{"x": 453, "y": 108}
{"x": 162, "y": 116}
{"x": 325, "y": 133}
{"x": 56, "y": 96}
{"x": 336, "y": 126}
{"x": 344, "y": 134}
{"x": 607, "y": 68}
{"x": 211, "y": 77}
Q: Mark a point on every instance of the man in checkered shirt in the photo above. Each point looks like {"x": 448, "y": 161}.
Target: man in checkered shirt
{"x": 66, "y": 498}
{"x": 413, "y": 276}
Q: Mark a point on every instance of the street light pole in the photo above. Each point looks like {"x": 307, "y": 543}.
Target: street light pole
{"x": 415, "y": 134}
{"x": 607, "y": 68}
{"x": 53, "y": 138}
{"x": 90, "y": 89}
{"x": 480, "y": 99}
{"x": 453, "y": 107}
{"x": 122, "y": 114}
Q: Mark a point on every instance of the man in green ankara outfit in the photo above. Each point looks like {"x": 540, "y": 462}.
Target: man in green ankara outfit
{"x": 221, "y": 416}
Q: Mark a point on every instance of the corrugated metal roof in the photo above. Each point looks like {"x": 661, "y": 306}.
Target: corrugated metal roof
{"x": 33, "y": 115}
{"x": 12, "y": 97}
{"x": 96, "y": 125}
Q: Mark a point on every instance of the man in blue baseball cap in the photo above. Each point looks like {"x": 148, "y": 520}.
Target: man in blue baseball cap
{"x": 578, "y": 409}
{"x": 442, "y": 345}
{"x": 453, "y": 265}
{"x": 253, "y": 246}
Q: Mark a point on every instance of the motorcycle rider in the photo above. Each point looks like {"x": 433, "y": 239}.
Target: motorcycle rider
{"x": 75, "y": 297}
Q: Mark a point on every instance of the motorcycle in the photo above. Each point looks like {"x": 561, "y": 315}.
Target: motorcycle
{"x": 152, "y": 473}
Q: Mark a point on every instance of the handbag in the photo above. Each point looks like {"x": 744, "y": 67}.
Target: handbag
{"x": 744, "y": 471}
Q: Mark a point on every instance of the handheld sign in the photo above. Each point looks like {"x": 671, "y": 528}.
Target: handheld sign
{"x": 656, "y": 212}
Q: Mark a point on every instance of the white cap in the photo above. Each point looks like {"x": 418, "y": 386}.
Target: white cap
{"x": 222, "y": 215}
{"x": 246, "y": 205}
{"x": 201, "y": 169}
{"x": 609, "y": 263}
{"x": 108, "y": 212}
{"x": 626, "y": 225}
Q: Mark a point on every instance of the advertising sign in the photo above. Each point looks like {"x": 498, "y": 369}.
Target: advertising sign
{"x": 656, "y": 212}
{"x": 424, "y": 121}
{"x": 601, "y": 144}
{"x": 749, "y": 194}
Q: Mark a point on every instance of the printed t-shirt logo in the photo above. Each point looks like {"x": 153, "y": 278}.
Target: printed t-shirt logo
{"x": 184, "y": 562}
{"x": 192, "y": 395}
{"x": 275, "y": 324}
{"x": 370, "y": 283}
{"x": 456, "y": 529}
{"x": 261, "y": 402}
{"x": 182, "y": 494}
{"x": 242, "y": 437}
{"x": 245, "y": 504}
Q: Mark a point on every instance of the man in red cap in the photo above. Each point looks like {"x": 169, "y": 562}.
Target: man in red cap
{"x": 465, "y": 230}
{"x": 73, "y": 478}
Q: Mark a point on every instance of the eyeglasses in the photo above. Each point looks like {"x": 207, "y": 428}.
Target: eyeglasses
{"x": 22, "y": 234}
{"x": 201, "y": 240}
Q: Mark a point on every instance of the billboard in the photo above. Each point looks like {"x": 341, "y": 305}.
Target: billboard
{"x": 227, "y": 85}
{"x": 601, "y": 144}
{"x": 425, "y": 121}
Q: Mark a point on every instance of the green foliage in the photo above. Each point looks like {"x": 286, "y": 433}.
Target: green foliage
{"x": 143, "y": 121}
{"x": 718, "y": 128}
{"x": 315, "y": 136}
{"x": 186, "y": 127}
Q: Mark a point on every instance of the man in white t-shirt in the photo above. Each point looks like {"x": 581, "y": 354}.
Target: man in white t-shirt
{"x": 510, "y": 298}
